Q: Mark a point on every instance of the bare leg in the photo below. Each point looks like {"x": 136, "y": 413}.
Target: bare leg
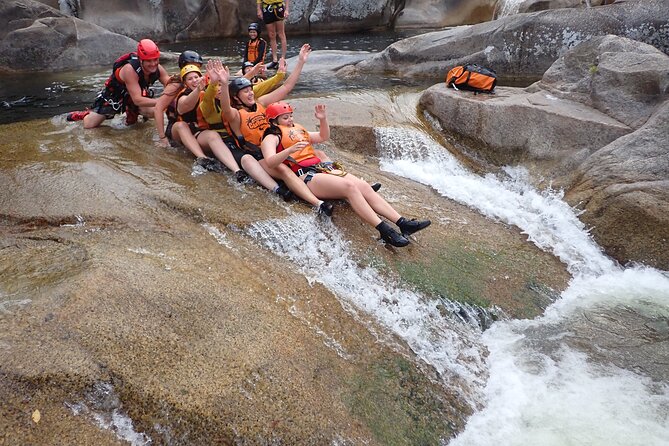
{"x": 271, "y": 32}
{"x": 281, "y": 31}
{"x": 376, "y": 201}
{"x": 294, "y": 183}
{"x": 326, "y": 186}
{"x": 93, "y": 120}
{"x": 212, "y": 140}
{"x": 181, "y": 133}
{"x": 255, "y": 170}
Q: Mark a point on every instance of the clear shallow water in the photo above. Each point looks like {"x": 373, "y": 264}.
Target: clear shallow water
{"x": 42, "y": 95}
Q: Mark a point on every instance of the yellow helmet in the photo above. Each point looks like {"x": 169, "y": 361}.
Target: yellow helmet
{"x": 189, "y": 69}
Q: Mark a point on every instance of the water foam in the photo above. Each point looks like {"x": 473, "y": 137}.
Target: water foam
{"x": 539, "y": 390}
{"x": 451, "y": 347}
{"x": 548, "y": 221}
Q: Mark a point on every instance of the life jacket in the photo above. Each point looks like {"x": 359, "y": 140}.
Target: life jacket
{"x": 115, "y": 88}
{"x": 472, "y": 77}
{"x": 171, "y": 111}
{"x": 252, "y": 125}
{"x": 193, "y": 116}
{"x": 253, "y": 50}
{"x": 305, "y": 157}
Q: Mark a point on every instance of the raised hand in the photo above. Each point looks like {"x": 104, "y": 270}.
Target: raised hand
{"x": 320, "y": 113}
{"x": 223, "y": 72}
{"x": 304, "y": 52}
{"x": 211, "y": 71}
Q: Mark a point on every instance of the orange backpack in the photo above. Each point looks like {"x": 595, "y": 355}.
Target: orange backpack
{"x": 472, "y": 77}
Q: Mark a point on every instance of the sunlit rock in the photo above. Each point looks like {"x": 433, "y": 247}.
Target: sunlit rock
{"x": 36, "y": 37}
{"x": 521, "y": 47}
{"x": 586, "y": 122}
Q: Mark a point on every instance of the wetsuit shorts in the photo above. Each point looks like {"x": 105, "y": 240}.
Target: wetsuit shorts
{"x": 273, "y": 13}
{"x": 238, "y": 153}
{"x": 103, "y": 107}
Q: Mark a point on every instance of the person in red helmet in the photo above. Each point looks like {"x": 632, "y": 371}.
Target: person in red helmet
{"x": 127, "y": 89}
{"x": 285, "y": 142}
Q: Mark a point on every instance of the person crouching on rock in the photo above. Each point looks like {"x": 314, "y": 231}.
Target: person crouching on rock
{"x": 127, "y": 89}
{"x": 289, "y": 143}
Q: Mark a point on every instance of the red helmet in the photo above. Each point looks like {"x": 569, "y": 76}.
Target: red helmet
{"x": 277, "y": 109}
{"x": 147, "y": 49}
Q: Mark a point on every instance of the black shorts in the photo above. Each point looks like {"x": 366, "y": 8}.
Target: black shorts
{"x": 273, "y": 13}
{"x": 238, "y": 153}
{"x": 106, "y": 107}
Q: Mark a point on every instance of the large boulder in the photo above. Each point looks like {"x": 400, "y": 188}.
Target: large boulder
{"x": 515, "y": 7}
{"x": 523, "y": 46}
{"x": 620, "y": 77}
{"x": 440, "y": 13}
{"x": 515, "y": 126}
{"x": 624, "y": 190}
{"x": 36, "y": 37}
{"x": 584, "y": 127}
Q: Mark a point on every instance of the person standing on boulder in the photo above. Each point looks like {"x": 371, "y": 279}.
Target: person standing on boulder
{"x": 273, "y": 13}
{"x": 127, "y": 89}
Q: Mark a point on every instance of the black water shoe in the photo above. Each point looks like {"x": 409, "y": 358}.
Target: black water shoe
{"x": 242, "y": 177}
{"x": 326, "y": 208}
{"x": 210, "y": 164}
{"x": 408, "y": 227}
{"x": 390, "y": 236}
{"x": 376, "y": 187}
{"x": 284, "y": 192}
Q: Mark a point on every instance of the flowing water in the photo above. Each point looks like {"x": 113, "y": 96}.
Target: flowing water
{"x": 541, "y": 389}
{"x": 592, "y": 370}
{"x": 540, "y": 384}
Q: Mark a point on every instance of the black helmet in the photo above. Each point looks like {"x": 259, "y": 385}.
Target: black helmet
{"x": 238, "y": 84}
{"x": 189, "y": 57}
{"x": 254, "y": 27}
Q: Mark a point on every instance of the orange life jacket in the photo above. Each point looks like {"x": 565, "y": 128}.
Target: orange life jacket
{"x": 253, "y": 50}
{"x": 305, "y": 157}
{"x": 253, "y": 124}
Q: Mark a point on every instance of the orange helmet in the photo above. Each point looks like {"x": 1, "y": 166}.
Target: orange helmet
{"x": 276, "y": 109}
{"x": 147, "y": 49}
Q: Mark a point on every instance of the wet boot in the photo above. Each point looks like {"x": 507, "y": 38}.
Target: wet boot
{"x": 326, "y": 208}
{"x": 283, "y": 191}
{"x": 390, "y": 236}
{"x": 408, "y": 227}
{"x": 242, "y": 177}
{"x": 77, "y": 115}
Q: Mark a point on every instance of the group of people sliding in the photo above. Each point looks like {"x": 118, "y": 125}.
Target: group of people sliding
{"x": 245, "y": 126}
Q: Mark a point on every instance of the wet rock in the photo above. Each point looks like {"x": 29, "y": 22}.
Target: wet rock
{"x": 624, "y": 191}
{"x": 36, "y": 37}
{"x": 521, "y": 47}
{"x": 584, "y": 127}
{"x": 439, "y": 13}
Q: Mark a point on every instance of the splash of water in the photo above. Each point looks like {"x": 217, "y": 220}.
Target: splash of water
{"x": 548, "y": 221}
{"x": 544, "y": 392}
{"x": 540, "y": 390}
{"x": 451, "y": 347}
